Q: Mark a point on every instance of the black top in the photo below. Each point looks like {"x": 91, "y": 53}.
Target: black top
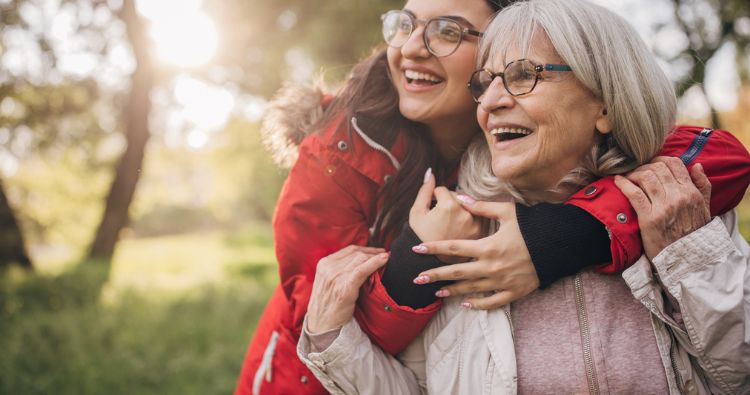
{"x": 562, "y": 240}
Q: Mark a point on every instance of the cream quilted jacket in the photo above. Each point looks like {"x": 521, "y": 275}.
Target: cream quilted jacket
{"x": 701, "y": 329}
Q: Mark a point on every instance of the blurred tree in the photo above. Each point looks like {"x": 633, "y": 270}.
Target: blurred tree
{"x": 135, "y": 118}
{"x": 708, "y": 25}
{"x": 39, "y": 110}
{"x": 12, "y": 246}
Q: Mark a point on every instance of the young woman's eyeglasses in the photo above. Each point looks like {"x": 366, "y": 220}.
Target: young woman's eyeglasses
{"x": 519, "y": 77}
{"x": 442, "y": 35}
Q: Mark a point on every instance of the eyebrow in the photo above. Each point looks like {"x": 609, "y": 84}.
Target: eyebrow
{"x": 461, "y": 20}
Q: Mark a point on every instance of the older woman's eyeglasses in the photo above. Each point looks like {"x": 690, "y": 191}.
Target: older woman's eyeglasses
{"x": 519, "y": 77}
{"x": 442, "y": 35}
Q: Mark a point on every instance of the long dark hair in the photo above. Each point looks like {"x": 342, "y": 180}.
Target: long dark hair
{"x": 370, "y": 96}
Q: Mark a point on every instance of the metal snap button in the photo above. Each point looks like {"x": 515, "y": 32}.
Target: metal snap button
{"x": 386, "y": 307}
{"x": 343, "y": 146}
{"x": 303, "y": 380}
{"x": 590, "y": 191}
{"x": 622, "y": 218}
{"x": 387, "y": 178}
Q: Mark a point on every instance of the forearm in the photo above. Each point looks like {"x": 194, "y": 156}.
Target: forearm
{"x": 352, "y": 364}
{"x": 404, "y": 266}
{"x": 562, "y": 240}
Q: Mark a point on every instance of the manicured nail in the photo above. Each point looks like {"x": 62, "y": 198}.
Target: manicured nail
{"x": 442, "y": 293}
{"x": 422, "y": 280}
{"x": 420, "y": 249}
{"x": 465, "y": 199}
{"x": 466, "y": 304}
{"x": 427, "y": 175}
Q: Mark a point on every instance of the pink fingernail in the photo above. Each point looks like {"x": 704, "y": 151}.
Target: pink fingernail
{"x": 420, "y": 249}
{"x": 442, "y": 293}
{"x": 466, "y": 304}
{"x": 422, "y": 280}
{"x": 465, "y": 199}
{"x": 427, "y": 175}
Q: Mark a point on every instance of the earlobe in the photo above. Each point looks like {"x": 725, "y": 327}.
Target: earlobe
{"x": 602, "y": 123}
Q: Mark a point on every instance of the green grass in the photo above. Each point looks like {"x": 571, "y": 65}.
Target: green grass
{"x": 174, "y": 316}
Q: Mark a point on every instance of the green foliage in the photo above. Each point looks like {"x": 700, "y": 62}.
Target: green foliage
{"x": 59, "y": 198}
{"x": 230, "y": 183}
{"x": 61, "y": 335}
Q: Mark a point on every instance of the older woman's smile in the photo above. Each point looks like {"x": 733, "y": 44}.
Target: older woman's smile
{"x": 509, "y": 133}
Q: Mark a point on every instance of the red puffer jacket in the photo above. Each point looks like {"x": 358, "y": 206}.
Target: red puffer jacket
{"x": 326, "y": 204}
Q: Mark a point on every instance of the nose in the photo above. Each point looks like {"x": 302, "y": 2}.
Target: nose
{"x": 415, "y": 47}
{"x": 496, "y": 97}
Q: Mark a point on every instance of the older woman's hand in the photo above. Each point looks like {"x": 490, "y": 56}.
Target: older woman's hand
{"x": 503, "y": 264}
{"x": 669, "y": 201}
{"x": 338, "y": 278}
{"x": 446, "y": 220}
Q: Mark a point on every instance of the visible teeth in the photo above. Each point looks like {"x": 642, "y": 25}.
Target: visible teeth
{"x": 415, "y": 75}
{"x": 499, "y": 131}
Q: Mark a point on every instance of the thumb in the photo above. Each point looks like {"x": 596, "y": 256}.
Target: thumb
{"x": 698, "y": 175}
{"x": 368, "y": 267}
{"x": 423, "y": 200}
{"x": 493, "y": 210}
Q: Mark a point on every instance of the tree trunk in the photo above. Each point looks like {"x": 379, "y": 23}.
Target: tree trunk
{"x": 12, "y": 247}
{"x": 135, "y": 118}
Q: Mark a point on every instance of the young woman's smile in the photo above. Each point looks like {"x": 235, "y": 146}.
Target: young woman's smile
{"x": 432, "y": 90}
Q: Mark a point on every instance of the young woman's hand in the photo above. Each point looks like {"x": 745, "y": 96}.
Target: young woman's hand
{"x": 670, "y": 201}
{"x": 446, "y": 220}
{"x": 502, "y": 266}
{"x": 338, "y": 278}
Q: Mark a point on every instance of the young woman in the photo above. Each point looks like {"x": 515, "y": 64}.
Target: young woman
{"x": 559, "y": 108}
{"x": 404, "y": 110}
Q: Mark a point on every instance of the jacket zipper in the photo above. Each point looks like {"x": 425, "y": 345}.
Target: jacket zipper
{"x": 583, "y": 322}
{"x": 677, "y": 373}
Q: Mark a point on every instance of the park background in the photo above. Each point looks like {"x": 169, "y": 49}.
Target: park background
{"x": 135, "y": 192}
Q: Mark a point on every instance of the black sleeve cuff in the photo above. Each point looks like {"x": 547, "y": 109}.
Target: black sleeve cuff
{"x": 403, "y": 266}
{"x": 562, "y": 239}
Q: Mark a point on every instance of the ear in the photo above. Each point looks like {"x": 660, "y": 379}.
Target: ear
{"x": 602, "y": 123}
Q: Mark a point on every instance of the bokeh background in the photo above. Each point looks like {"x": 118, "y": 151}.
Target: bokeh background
{"x": 135, "y": 192}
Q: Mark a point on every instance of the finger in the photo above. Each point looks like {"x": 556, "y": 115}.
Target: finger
{"x": 445, "y": 197}
{"x": 457, "y": 271}
{"x": 635, "y": 195}
{"x": 369, "y": 266}
{"x": 490, "y": 302}
{"x": 493, "y": 210}
{"x": 423, "y": 200}
{"x": 466, "y": 287}
{"x": 699, "y": 178}
{"x": 464, "y": 248}
{"x": 350, "y": 249}
{"x": 658, "y": 168}
{"x": 676, "y": 167}
{"x": 650, "y": 184}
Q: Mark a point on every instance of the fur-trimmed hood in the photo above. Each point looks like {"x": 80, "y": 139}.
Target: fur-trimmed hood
{"x": 290, "y": 116}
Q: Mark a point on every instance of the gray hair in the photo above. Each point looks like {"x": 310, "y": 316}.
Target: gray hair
{"x": 609, "y": 58}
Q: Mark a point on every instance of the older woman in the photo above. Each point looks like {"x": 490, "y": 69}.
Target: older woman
{"x": 570, "y": 94}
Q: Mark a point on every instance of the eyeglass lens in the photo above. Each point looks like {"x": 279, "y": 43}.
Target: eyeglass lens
{"x": 519, "y": 78}
{"x": 441, "y": 35}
